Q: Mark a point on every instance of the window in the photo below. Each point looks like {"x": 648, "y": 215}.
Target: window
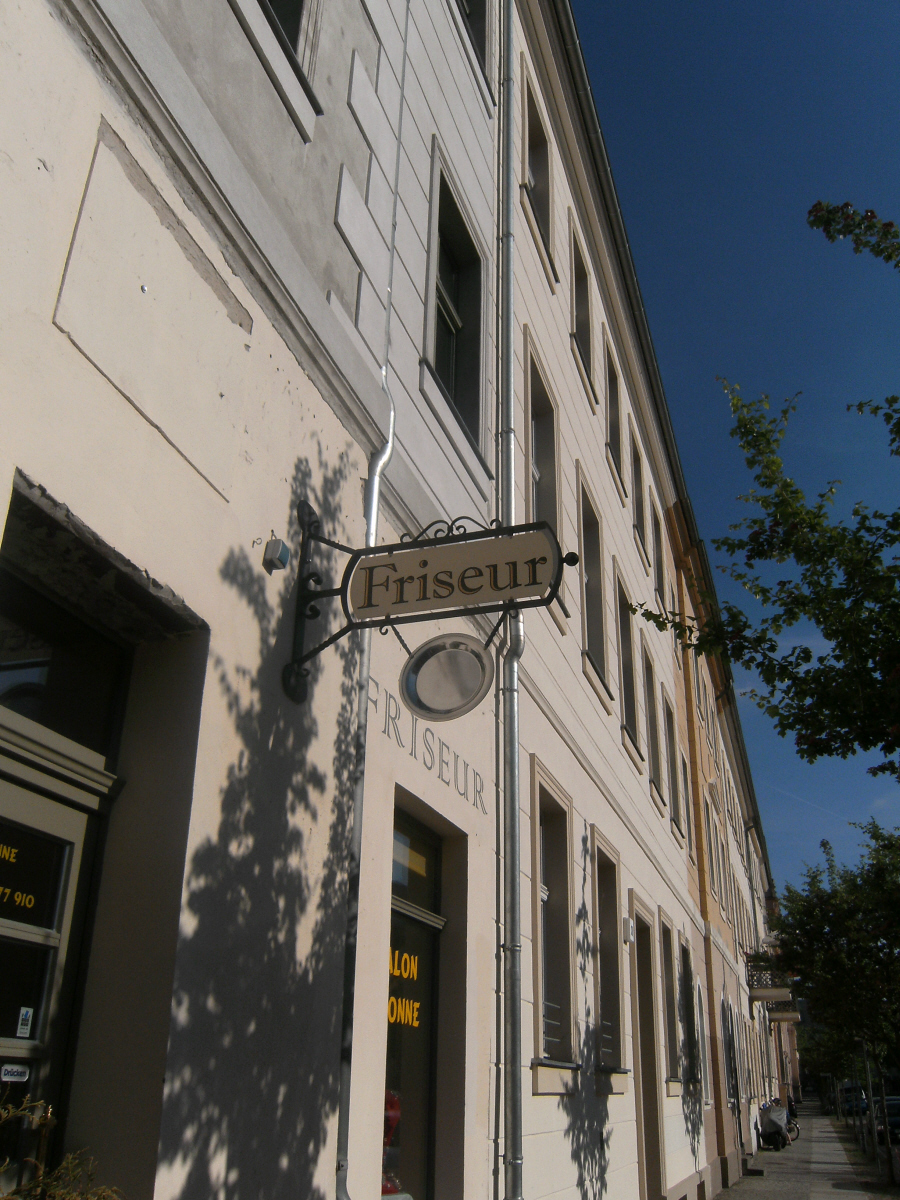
{"x": 659, "y": 579}
{"x": 553, "y": 957}
{"x": 672, "y": 763}
{"x": 652, "y": 723}
{"x": 671, "y": 1002}
{"x": 457, "y": 336}
{"x": 284, "y": 17}
{"x": 686, "y": 798}
{"x": 592, "y": 584}
{"x": 704, "y": 1046}
{"x": 475, "y": 16}
{"x": 690, "y": 1058}
{"x": 608, "y": 997}
{"x": 626, "y": 666}
{"x": 538, "y": 182}
{"x": 581, "y": 306}
{"x": 543, "y": 451}
{"x": 710, "y": 849}
{"x": 613, "y": 413}
{"x": 637, "y": 483}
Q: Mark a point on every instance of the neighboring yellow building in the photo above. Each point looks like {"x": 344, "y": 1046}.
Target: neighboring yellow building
{"x": 217, "y": 217}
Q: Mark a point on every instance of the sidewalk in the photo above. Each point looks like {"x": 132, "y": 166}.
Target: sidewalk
{"x": 814, "y": 1167}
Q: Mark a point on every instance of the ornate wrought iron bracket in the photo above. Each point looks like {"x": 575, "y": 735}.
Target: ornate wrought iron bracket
{"x": 310, "y": 592}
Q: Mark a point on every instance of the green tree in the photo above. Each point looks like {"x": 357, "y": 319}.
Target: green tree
{"x": 839, "y": 936}
{"x": 841, "y": 575}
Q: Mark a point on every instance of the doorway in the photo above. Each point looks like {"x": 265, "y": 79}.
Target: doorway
{"x": 646, "y": 1066}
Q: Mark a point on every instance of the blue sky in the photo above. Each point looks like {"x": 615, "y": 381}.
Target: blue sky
{"x": 723, "y": 124}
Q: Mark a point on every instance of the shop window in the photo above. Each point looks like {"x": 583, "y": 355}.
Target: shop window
{"x": 592, "y": 586}
{"x": 542, "y": 451}
{"x": 457, "y": 325}
{"x": 56, "y": 670}
{"x": 626, "y": 665}
{"x": 607, "y": 992}
{"x": 652, "y": 724}
{"x": 538, "y": 161}
{"x": 553, "y": 956}
{"x": 613, "y": 414}
{"x": 671, "y": 1002}
{"x": 581, "y": 306}
{"x": 672, "y": 764}
{"x": 409, "y": 1111}
{"x": 637, "y": 484}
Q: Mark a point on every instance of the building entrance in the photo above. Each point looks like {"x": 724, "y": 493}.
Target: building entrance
{"x": 409, "y": 1101}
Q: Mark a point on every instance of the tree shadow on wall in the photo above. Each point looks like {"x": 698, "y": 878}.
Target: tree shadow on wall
{"x": 691, "y": 1088}
{"x": 252, "y": 1079}
{"x": 587, "y": 1113}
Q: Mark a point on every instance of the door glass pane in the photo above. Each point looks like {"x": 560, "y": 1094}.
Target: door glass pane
{"x": 23, "y": 973}
{"x": 30, "y": 873}
{"x": 408, "y": 1103}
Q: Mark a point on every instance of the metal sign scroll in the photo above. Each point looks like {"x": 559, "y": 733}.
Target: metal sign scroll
{"x": 453, "y": 573}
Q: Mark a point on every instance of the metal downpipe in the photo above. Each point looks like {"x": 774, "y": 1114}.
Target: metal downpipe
{"x": 512, "y": 938}
{"x": 377, "y": 464}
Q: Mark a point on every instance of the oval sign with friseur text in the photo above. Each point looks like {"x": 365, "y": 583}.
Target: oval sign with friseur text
{"x": 483, "y": 572}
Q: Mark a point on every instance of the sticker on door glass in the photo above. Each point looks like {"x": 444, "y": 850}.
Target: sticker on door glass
{"x": 26, "y": 1016}
{"x": 14, "y": 1073}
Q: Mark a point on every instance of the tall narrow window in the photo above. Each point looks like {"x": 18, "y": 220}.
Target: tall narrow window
{"x": 690, "y": 1063}
{"x": 613, "y": 414}
{"x": 626, "y": 665}
{"x": 659, "y": 581}
{"x": 637, "y": 484}
{"x": 538, "y": 184}
{"x": 672, "y": 764}
{"x": 686, "y": 799}
{"x": 592, "y": 574}
{"x": 555, "y": 932}
{"x": 668, "y": 964}
{"x": 475, "y": 16}
{"x": 284, "y": 17}
{"x": 652, "y": 723}
{"x": 710, "y": 849}
{"x": 457, "y": 337}
{"x": 543, "y": 452}
{"x": 704, "y": 1047}
{"x": 581, "y": 303}
{"x": 609, "y": 1048}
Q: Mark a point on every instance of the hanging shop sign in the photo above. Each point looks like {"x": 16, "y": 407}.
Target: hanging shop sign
{"x": 449, "y": 569}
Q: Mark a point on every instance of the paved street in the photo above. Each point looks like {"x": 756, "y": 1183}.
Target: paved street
{"x": 814, "y": 1167}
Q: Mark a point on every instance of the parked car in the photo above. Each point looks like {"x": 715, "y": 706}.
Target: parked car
{"x": 893, "y": 1119}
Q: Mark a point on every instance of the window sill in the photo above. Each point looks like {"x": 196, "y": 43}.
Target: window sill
{"x": 550, "y": 1078}
{"x": 642, "y": 552}
{"x": 294, "y": 92}
{"x": 597, "y": 682}
{"x": 558, "y": 614}
{"x": 542, "y": 247}
{"x": 584, "y": 374}
{"x": 617, "y": 477}
{"x": 475, "y": 466}
{"x": 611, "y": 1081}
{"x": 633, "y": 752}
{"x": 677, "y": 834}
{"x": 474, "y": 58}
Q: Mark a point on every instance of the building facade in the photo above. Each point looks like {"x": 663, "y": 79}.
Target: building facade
{"x": 237, "y": 237}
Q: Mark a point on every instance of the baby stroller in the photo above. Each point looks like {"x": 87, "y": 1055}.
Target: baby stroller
{"x": 773, "y": 1125}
